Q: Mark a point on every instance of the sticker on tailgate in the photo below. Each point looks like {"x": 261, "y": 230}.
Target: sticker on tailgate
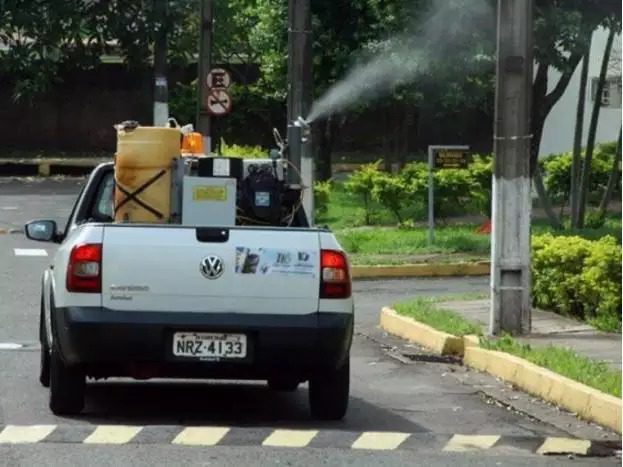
{"x": 264, "y": 261}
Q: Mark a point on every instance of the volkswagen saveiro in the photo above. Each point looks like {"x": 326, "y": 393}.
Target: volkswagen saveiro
{"x": 170, "y": 301}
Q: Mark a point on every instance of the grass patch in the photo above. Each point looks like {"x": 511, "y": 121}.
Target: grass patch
{"x": 401, "y": 259}
{"x": 395, "y": 241}
{"x": 563, "y": 361}
{"x": 460, "y": 297}
{"x": 426, "y": 311}
{"x": 612, "y": 227}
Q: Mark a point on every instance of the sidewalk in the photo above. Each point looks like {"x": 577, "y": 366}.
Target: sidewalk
{"x": 550, "y": 328}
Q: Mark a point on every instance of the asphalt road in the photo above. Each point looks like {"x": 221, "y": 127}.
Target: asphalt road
{"x": 420, "y": 403}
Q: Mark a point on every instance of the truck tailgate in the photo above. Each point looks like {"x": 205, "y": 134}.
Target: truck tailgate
{"x": 158, "y": 268}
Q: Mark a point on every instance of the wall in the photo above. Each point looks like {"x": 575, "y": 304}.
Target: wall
{"x": 560, "y": 124}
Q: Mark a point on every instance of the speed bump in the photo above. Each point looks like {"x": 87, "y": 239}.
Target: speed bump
{"x": 207, "y": 436}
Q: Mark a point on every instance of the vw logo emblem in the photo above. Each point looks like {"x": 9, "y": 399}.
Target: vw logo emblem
{"x": 211, "y": 267}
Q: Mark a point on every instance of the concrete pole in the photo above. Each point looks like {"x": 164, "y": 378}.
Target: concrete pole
{"x": 203, "y": 68}
{"x": 161, "y": 98}
{"x": 510, "y": 238}
{"x": 300, "y": 97}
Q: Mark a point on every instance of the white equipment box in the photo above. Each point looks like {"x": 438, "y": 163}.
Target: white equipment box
{"x": 209, "y": 201}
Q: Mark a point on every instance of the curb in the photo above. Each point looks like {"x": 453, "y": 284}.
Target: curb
{"x": 408, "y": 328}
{"x": 422, "y": 270}
{"x": 48, "y": 167}
{"x": 588, "y": 403}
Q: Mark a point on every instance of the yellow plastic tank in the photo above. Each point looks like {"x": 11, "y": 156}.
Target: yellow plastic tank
{"x": 143, "y": 173}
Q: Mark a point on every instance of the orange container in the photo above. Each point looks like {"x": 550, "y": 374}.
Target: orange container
{"x": 143, "y": 164}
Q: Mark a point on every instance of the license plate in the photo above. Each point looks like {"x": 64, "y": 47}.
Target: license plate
{"x": 209, "y": 345}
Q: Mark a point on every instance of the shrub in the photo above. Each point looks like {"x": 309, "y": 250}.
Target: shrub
{"x": 481, "y": 171}
{"x": 391, "y": 191}
{"x": 557, "y": 169}
{"x": 454, "y": 188}
{"x": 578, "y": 277}
{"x": 361, "y": 183}
{"x": 322, "y": 196}
{"x": 246, "y": 152}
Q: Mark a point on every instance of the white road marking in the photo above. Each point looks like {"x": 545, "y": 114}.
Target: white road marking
{"x": 564, "y": 446}
{"x": 379, "y": 440}
{"x": 30, "y": 252}
{"x": 112, "y": 434}
{"x": 201, "y": 436}
{"x": 10, "y": 346}
{"x": 25, "y": 434}
{"x": 9, "y": 208}
{"x": 463, "y": 443}
{"x": 290, "y": 438}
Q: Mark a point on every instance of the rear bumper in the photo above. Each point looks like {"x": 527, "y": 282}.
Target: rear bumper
{"x": 114, "y": 343}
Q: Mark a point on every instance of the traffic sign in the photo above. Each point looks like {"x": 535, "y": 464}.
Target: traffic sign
{"x": 218, "y": 78}
{"x": 219, "y": 102}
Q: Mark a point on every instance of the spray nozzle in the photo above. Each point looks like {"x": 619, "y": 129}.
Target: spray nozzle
{"x": 301, "y": 122}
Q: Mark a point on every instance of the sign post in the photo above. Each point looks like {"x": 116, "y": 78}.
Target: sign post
{"x": 442, "y": 157}
{"x": 218, "y": 100}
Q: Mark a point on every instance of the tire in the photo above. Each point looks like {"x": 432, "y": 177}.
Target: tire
{"x": 67, "y": 386}
{"x": 44, "y": 364}
{"x": 329, "y": 393}
{"x": 283, "y": 384}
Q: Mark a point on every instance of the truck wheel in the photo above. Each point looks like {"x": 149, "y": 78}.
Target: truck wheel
{"x": 67, "y": 387}
{"x": 44, "y": 365}
{"x": 283, "y": 384}
{"x": 329, "y": 392}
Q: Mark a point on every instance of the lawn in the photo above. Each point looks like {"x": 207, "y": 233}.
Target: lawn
{"x": 563, "y": 361}
{"x": 455, "y": 239}
{"x": 426, "y": 311}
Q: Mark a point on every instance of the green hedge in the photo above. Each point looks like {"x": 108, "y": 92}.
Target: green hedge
{"x": 457, "y": 191}
{"x": 579, "y": 278}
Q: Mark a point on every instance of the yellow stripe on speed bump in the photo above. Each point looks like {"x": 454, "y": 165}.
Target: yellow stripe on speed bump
{"x": 25, "y": 434}
{"x": 201, "y": 436}
{"x": 564, "y": 446}
{"x": 462, "y": 443}
{"x": 290, "y": 438}
{"x": 112, "y": 434}
{"x": 379, "y": 440}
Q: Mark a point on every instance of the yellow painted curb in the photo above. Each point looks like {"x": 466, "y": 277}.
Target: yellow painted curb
{"x": 588, "y": 403}
{"x": 422, "y": 270}
{"x": 407, "y": 328}
{"x": 471, "y": 341}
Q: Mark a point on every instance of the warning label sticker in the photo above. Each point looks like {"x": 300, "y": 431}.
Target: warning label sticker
{"x": 209, "y": 193}
{"x": 263, "y": 261}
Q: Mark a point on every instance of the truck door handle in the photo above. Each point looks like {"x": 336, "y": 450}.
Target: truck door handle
{"x": 212, "y": 235}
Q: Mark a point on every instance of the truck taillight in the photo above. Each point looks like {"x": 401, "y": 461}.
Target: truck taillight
{"x": 84, "y": 271}
{"x": 334, "y": 276}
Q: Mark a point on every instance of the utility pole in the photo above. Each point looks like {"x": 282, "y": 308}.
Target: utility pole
{"x": 161, "y": 98}
{"x": 510, "y": 237}
{"x": 300, "y": 97}
{"x": 203, "y": 68}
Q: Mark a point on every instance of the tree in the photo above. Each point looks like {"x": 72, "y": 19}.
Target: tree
{"x": 562, "y": 31}
{"x": 577, "y": 138}
{"x": 592, "y": 132}
{"x": 44, "y": 40}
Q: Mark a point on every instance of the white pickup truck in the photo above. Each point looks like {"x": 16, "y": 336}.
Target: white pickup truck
{"x": 174, "y": 301}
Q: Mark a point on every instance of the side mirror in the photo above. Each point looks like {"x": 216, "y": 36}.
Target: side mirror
{"x": 42, "y": 231}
